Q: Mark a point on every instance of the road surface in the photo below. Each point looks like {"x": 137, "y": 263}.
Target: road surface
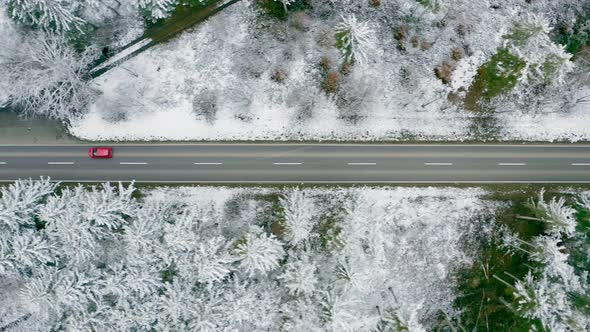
{"x": 302, "y": 163}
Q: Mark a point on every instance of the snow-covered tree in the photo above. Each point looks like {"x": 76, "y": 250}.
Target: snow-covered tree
{"x": 159, "y": 9}
{"x": 257, "y": 252}
{"x": 198, "y": 259}
{"x": 300, "y": 277}
{"x": 107, "y": 207}
{"x": 77, "y": 243}
{"x": 401, "y": 319}
{"x": 545, "y": 61}
{"x": 39, "y": 294}
{"x": 551, "y": 252}
{"x": 299, "y": 212}
{"x": 547, "y": 301}
{"x": 44, "y": 75}
{"x": 584, "y": 200}
{"x": 551, "y": 285}
{"x": 355, "y": 39}
{"x": 338, "y": 310}
{"x": 47, "y": 14}
{"x": 558, "y": 216}
{"x": 20, "y": 201}
{"x": 28, "y": 251}
{"x": 212, "y": 260}
{"x": 302, "y": 314}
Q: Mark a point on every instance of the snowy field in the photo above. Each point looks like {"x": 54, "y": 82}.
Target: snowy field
{"x": 234, "y": 259}
{"x": 245, "y": 76}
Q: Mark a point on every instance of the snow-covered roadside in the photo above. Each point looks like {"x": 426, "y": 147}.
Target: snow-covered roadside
{"x": 220, "y": 81}
{"x": 215, "y": 83}
{"x": 347, "y": 259}
{"x": 549, "y": 124}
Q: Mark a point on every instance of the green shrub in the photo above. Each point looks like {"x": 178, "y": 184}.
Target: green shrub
{"x": 275, "y": 8}
{"x": 573, "y": 38}
{"x": 500, "y": 74}
{"x": 497, "y": 76}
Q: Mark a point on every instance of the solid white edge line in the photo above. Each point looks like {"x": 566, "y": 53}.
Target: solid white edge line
{"x": 285, "y": 164}
{"x": 450, "y": 182}
{"x": 208, "y": 163}
{"x": 580, "y": 164}
{"x": 130, "y": 163}
{"x": 361, "y": 164}
{"x": 441, "y": 144}
{"x": 438, "y": 164}
{"x": 511, "y": 164}
{"x": 60, "y": 163}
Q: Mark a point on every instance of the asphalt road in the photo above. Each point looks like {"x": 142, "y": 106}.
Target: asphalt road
{"x": 301, "y": 163}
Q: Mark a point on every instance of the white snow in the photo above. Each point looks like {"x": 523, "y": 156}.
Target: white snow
{"x": 547, "y": 124}
{"x": 215, "y": 82}
{"x": 159, "y": 94}
{"x": 466, "y": 70}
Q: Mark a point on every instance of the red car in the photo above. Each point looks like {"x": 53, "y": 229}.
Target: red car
{"x": 100, "y": 152}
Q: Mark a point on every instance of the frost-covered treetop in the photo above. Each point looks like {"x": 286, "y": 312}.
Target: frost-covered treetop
{"x": 220, "y": 259}
{"x": 356, "y": 39}
{"x": 64, "y": 16}
{"x": 47, "y": 14}
{"x": 546, "y": 61}
{"x": 556, "y": 213}
{"x": 556, "y": 278}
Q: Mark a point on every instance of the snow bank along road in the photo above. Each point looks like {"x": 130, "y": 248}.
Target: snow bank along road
{"x": 298, "y": 163}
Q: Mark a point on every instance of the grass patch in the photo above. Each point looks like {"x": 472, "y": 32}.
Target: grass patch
{"x": 497, "y": 76}
{"x": 186, "y": 14}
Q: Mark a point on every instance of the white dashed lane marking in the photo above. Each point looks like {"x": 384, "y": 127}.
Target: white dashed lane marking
{"x": 287, "y": 163}
{"x": 208, "y": 163}
{"x": 362, "y": 164}
{"x": 60, "y": 163}
{"x": 438, "y": 164}
{"x": 511, "y": 164}
{"x": 580, "y": 164}
{"x": 129, "y": 163}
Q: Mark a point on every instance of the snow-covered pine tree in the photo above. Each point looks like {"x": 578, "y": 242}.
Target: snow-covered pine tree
{"x": 257, "y": 252}
{"x": 545, "y": 61}
{"x": 299, "y": 212}
{"x": 20, "y": 201}
{"x": 108, "y": 207}
{"x": 159, "y": 9}
{"x": 355, "y": 39}
{"x": 212, "y": 260}
{"x": 300, "y": 277}
{"x": 47, "y": 14}
{"x": 44, "y": 75}
{"x": 558, "y": 216}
